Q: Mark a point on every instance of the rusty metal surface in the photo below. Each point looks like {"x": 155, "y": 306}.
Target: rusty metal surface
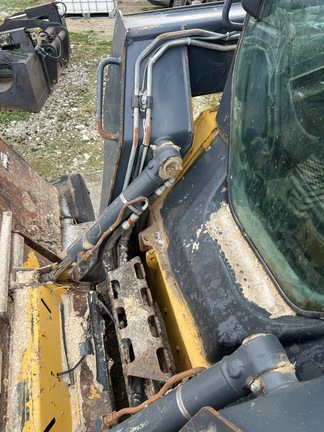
{"x": 33, "y": 201}
{"x": 140, "y": 337}
{"x": 208, "y": 419}
{"x": 103, "y": 133}
{"x": 93, "y": 399}
{"x": 5, "y": 250}
{"x": 4, "y": 367}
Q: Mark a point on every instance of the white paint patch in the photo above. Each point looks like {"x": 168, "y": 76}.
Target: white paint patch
{"x": 249, "y": 272}
{"x": 195, "y": 246}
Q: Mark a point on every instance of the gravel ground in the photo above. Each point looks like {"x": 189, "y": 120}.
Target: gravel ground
{"x": 62, "y": 137}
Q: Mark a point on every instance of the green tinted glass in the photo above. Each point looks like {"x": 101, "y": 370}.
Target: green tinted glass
{"x": 277, "y": 145}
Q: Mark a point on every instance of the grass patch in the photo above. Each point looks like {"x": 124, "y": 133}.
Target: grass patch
{"x": 67, "y": 141}
{"x": 6, "y": 116}
{"x": 87, "y": 46}
{"x": 12, "y": 6}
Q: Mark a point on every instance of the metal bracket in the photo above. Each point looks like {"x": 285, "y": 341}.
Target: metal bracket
{"x": 140, "y": 337}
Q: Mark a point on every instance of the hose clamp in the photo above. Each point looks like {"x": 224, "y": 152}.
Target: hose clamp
{"x": 180, "y": 404}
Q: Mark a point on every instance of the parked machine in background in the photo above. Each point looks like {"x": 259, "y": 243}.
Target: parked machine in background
{"x": 34, "y": 48}
{"x": 206, "y": 261}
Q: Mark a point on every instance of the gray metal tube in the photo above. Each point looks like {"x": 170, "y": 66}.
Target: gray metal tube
{"x": 157, "y": 41}
{"x": 165, "y": 164}
{"x": 151, "y": 62}
{"x": 218, "y": 386}
{"x": 105, "y": 62}
{"x": 180, "y": 42}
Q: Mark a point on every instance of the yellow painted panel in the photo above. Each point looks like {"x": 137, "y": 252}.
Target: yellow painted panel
{"x": 182, "y": 331}
{"x": 44, "y": 397}
{"x": 204, "y": 132}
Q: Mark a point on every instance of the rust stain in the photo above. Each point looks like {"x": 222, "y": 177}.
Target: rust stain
{"x": 147, "y": 133}
{"x": 171, "y": 167}
{"x": 138, "y": 323}
{"x": 103, "y": 133}
{"x": 135, "y": 134}
{"x": 32, "y": 200}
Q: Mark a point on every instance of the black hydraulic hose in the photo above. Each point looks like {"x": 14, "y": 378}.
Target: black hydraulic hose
{"x": 65, "y": 343}
{"x": 72, "y": 369}
{"x": 218, "y": 386}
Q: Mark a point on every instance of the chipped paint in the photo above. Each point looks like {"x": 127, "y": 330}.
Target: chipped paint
{"x": 182, "y": 332}
{"x": 139, "y": 427}
{"x": 93, "y": 393}
{"x": 256, "y": 284}
{"x": 195, "y": 246}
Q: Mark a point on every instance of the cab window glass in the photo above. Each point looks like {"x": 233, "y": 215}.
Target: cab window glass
{"x": 277, "y": 145}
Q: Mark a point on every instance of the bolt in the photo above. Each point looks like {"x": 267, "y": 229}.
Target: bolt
{"x": 234, "y": 369}
{"x": 257, "y": 386}
{"x": 170, "y": 167}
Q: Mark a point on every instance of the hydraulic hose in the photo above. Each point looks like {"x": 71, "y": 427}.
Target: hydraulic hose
{"x": 165, "y": 164}
{"x": 232, "y": 378}
{"x": 151, "y": 62}
{"x": 161, "y": 39}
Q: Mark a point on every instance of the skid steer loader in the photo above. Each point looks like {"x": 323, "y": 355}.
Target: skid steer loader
{"x": 195, "y": 301}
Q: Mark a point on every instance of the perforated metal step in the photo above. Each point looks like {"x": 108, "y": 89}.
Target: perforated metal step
{"x": 142, "y": 350}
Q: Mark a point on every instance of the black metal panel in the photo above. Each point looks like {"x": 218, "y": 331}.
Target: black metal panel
{"x": 297, "y": 408}
{"x": 223, "y": 315}
{"x": 208, "y": 70}
{"x": 23, "y": 84}
{"x": 55, "y": 44}
{"x": 207, "y": 419}
{"x": 224, "y": 109}
{"x": 178, "y": 74}
{"x": 74, "y": 198}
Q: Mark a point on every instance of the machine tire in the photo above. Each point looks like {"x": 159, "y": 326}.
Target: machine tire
{"x": 177, "y": 3}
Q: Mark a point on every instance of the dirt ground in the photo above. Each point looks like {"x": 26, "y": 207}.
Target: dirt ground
{"x": 62, "y": 138}
{"x": 106, "y": 26}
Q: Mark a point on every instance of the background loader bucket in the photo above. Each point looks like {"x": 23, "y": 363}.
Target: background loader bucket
{"x": 34, "y": 47}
